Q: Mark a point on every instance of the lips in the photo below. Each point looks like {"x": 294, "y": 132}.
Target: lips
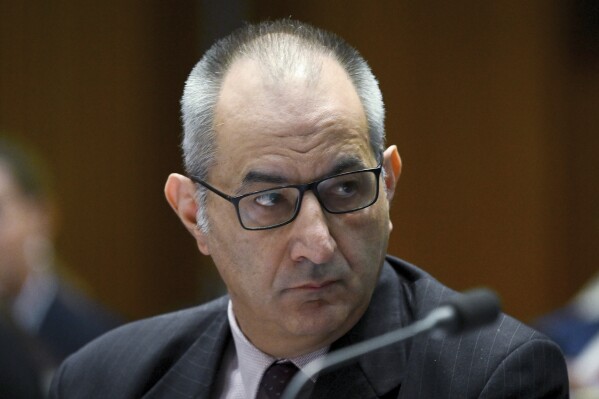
{"x": 315, "y": 285}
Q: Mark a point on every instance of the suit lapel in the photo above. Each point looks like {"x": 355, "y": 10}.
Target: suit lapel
{"x": 194, "y": 374}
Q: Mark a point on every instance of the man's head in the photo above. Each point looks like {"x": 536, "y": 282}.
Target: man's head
{"x": 283, "y": 104}
{"x": 25, "y": 220}
{"x": 283, "y": 48}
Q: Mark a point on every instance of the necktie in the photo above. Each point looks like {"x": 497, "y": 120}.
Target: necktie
{"x": 275, "y": 380}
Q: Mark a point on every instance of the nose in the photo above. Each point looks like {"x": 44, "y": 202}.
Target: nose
{"x": 311, "y": 239}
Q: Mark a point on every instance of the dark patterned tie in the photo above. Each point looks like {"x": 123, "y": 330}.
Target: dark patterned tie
{"x": 275, "y": 380}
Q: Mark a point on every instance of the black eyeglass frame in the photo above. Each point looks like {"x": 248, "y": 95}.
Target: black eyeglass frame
{"x": 302, "y": 189}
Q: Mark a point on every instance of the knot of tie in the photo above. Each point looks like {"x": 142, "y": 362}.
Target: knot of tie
{"x": 275, "y": 380}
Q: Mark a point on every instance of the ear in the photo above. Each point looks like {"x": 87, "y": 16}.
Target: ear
{"x": 392, "y": 166}
{"x": 180, "y": 193}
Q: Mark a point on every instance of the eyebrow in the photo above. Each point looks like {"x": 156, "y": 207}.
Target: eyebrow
{"x": 347, "y": 163}
{"x": 344, "y": 164}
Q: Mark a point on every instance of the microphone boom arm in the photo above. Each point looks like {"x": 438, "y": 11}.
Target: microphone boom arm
{"x": 473, "y": 309}
{"x": 436, "y": 318}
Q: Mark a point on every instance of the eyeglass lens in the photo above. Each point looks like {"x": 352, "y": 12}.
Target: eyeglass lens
{"x": 338, "y": 194}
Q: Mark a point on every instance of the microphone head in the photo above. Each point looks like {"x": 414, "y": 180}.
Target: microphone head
{"x": 472, "y": 309}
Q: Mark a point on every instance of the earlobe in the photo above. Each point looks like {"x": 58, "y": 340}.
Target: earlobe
{"x": 392, "y": 165}
{"x": 180, "y": 194}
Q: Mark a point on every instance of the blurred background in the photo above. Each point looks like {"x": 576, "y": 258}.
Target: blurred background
{"x": 494, "y": 107}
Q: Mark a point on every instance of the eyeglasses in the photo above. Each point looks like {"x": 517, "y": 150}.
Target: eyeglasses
{"x": 274, "y": 207}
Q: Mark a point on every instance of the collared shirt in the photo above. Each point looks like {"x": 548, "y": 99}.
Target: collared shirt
{"x": 243, "y": 364}
{"x": 30, "y": 307}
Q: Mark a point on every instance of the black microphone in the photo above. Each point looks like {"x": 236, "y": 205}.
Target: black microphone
{"x": 473, "y": 309}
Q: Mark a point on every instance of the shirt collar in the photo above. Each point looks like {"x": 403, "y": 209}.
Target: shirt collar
{"x": 33, "y": 302}
{"x": 253, "y": 362}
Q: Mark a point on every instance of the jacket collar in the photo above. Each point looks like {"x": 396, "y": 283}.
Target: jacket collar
{"x": 188, "y": 377}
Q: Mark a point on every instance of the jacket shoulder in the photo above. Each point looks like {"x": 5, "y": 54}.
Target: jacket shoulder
{"x": 504, "y": 359}
{"x": 128, "y": 360}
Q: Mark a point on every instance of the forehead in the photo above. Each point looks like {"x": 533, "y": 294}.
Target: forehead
{"x": 305, "y": 116}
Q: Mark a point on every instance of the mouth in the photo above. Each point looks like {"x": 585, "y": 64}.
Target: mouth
{"x": 315, "y": 286}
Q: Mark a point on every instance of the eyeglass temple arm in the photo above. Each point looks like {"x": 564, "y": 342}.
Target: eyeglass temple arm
{"x": 209, "y": 187}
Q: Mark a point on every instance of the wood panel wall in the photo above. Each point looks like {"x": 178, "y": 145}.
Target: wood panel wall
{"x": 494, "y": 118}
{"x": 96, "y": 88}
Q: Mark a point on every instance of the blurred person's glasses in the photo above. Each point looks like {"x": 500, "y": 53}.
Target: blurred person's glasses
{"x": 274, "y": 207}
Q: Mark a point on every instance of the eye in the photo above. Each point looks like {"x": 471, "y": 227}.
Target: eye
{"x": 345, "y": 188}
{"x": 268, "y": 199}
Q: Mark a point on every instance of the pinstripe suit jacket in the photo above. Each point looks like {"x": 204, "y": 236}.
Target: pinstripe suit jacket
{"x": 178, "y": 355}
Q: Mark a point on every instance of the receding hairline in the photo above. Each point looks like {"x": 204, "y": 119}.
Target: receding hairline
{"x": 282, "y": 48}
{"x": 269, "y": 43}
{"x": 236, "y": 91}
{"x": 284, "y": 55}
{"x": 309, "y": 72}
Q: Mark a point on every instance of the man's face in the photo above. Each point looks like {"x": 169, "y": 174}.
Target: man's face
{"x": 19, "y": 221}
{"x": 297, "y": 287}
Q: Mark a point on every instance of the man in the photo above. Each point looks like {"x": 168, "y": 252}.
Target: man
{"x": 46, "y": 318}
{"x": 288, "y": 188}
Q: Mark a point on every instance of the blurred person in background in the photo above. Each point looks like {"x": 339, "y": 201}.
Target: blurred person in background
{"x": 45, "y": 317}
{"x": 575, "y": 328}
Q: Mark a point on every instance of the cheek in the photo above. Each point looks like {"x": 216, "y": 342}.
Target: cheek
{"x": 247, "y": 261}
{"x": 364, "y": 233}
{"x": 363, "y": 242}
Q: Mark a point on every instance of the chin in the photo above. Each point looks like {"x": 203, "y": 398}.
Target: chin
{"x": 321, "y": 320}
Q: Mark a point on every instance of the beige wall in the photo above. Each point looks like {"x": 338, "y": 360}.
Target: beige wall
{"x": 494, "y": 118}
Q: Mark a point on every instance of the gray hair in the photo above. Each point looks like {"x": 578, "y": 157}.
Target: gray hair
{"x": 279, "y": 45}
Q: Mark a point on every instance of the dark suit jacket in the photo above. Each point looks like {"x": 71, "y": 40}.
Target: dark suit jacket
{"x": 19, "y": 377}
{"x": 72, "y": 320}
{"x": 178, "y": 355}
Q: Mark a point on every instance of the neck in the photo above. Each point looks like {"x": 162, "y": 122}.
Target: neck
{"x": 278, "y": 347}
